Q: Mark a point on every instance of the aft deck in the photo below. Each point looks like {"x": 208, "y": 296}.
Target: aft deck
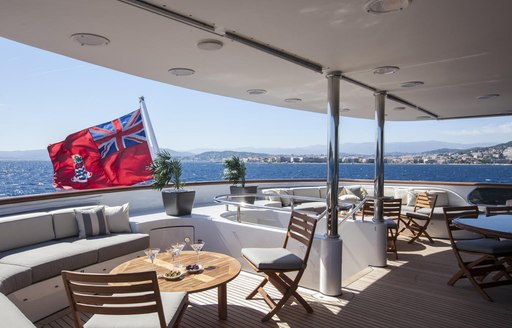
{"x": 410, "y": 292}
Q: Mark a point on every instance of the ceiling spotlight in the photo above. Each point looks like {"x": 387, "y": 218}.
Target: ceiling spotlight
{"x": 411, "y": 84}
{"x": 424, "y": 117}
{"x": 399, "y": 108}
{"x": 488, "y": 96}
{"x": 210, "y": 45}
{"x": 179, "y": 71}
{"x": 293, "y": 100}
{"x": 383, "y": 70}
{"x": 345, "y": 109}
{"x": 256, "y": 91}
{"x": 87, "y": 39}
{"x": 385, "y": 6}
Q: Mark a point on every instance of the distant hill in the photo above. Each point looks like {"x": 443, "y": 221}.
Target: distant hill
{"x": 218, "y": 156}
{"x": 366, "y": 148}
{"x": 25, "y": 155}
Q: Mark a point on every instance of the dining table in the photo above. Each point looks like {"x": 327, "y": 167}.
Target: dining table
{"x": 216, "y": 271}
{"x": 499, "y": 225}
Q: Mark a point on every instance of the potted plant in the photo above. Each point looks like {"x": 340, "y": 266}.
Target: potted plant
{"x": 166, "y": 169}
{"x": 234, "y": 171}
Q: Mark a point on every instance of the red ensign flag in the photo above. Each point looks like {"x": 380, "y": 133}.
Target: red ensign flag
{"x": 114, "y": 153}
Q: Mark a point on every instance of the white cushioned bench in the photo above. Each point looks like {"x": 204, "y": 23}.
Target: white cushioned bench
{"x": 36, "y": 247}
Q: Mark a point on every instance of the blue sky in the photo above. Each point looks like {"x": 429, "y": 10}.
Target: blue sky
{"x": 44, "y": 97}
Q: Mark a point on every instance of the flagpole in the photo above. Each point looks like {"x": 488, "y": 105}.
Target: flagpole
{"x": 149, "y": 128}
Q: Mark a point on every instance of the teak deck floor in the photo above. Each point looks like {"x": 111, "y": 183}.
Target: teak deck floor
{"x": 410, "y": 292}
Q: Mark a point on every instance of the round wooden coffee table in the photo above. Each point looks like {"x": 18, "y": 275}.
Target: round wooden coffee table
{"x": 218, "y": 270}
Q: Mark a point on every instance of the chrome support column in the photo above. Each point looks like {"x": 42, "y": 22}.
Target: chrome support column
{"x": 333, "y": 113}
{"x": 331, "y": 244}
{"x": 380, "y": 99}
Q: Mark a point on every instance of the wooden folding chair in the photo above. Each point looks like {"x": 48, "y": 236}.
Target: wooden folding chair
{"x": 274, "y": 262}
{"x": 391, "y": 209}
{"x": 486, "y": 254}
{"x": 417, "y": 222}
{"x": 495, "y": 210}
{"x": 123, "y": 300}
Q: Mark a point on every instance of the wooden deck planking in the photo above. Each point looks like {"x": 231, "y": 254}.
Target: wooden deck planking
{"x": 410, "y": 292}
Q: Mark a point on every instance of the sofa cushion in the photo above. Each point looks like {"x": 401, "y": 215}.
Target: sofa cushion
{"x": 486, "y": 246}
{"x": 11, "y": 315}
{"x": 317, "y": 207}
{"x": 114, "y": 245}
{"x": 305, "y": 192}
{"x": 92, "y": 222}
{"x": 25, "y": 229}
{"x": 352, "y": 199}
{"x": 118, "y": 218}
{"x": 64, "y": 221}
{"x": 357, "y": 190}
{"x": 14, "y": 277}
{"x": 172, "y": 304}
{"x": 48, "y": 259}
{"x": 442, "y": 197}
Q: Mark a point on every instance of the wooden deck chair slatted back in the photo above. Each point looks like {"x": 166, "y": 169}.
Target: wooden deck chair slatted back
{"x": 451, "y": 213}
{"x": 417, "y": 221}
{"x": 495, "y": 210}
{"x": 116, "y": 294}
{"x": 391, "y": 209}
{"x": 302, "y": 229}
{"x": 425, "y": 200}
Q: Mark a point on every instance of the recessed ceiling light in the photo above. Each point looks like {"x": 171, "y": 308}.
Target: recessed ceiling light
{"x": 293, "y": 100}
{"x": 87, "y": 39}
{"x": 385, "y": 6}
{"x": 488, "y": 96}
{"x": 386, "y": 70}
{"x": 424, "y": 117}
{"x": 180, "y": 71}
{"x": 210, "y": 45}
{"x": 345, "y": 109}
{"x": 399, "y": 108}
{"x": 256, "y": 91}
{"x": 411, "y": 84}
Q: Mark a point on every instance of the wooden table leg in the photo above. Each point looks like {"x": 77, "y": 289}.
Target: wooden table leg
{"x": 222, "y": 294}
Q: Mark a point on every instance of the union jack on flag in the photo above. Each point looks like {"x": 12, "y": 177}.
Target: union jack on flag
{"x": 119, "y": 134}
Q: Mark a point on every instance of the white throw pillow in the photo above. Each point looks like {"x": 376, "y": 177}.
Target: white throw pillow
{"x": 92, "y": 222}
{"x": 118, "y": 218}
{"x": 352, "y": 199}
{"x": 411, "y": 198}
{"x": 509, "y": 202}
{"x": 401, "y": 193}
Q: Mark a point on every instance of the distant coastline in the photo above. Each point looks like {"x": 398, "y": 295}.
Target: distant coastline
{"x": 19, "y": 178}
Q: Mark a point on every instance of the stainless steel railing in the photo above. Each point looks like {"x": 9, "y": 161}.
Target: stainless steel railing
{"x": 227, "y": 199}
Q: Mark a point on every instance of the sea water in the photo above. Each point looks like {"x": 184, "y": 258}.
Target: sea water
{"x": 19, "y": 178}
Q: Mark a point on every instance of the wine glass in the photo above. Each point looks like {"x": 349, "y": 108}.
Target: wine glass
{"x": 172, "y": 253}
{"x": 197, "y": 247}
{"x": 151, "y": 253}
{"x": 178, "y": 247}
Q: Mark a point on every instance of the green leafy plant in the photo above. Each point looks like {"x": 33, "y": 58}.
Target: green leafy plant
{"x": 166, "y": 169}
{"x": 234, "y": 170}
